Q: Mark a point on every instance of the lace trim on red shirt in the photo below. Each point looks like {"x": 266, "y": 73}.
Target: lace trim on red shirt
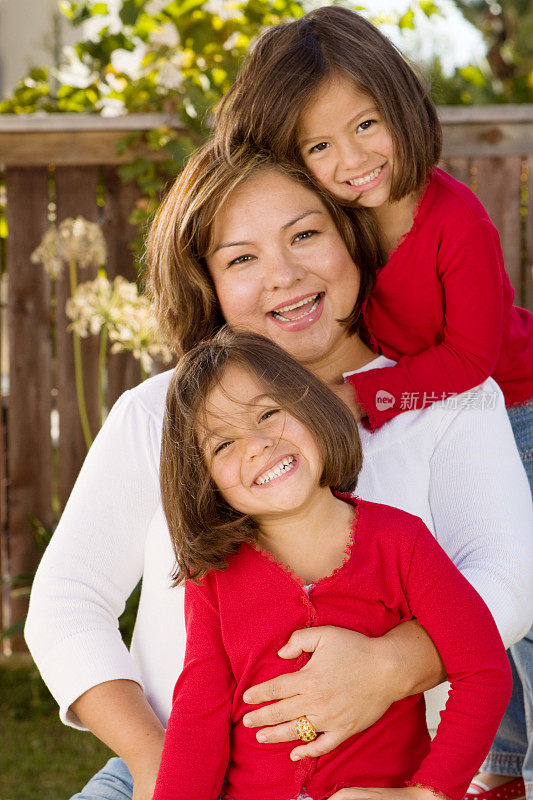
{"x": 437, "y": 792}
{"x": 347, "y": 550}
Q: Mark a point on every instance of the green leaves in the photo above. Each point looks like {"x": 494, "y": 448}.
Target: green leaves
{"x": 407, "y": 20}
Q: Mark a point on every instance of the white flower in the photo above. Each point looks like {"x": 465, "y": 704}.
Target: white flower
{"x": 232, "y": 40}
{"x": 166, "y": 36}
{"x": 170, "y": 73}
{"x": 153, "y": 7}
{"x": 47, "y": 254}
{"x": 92, "y": 28}
{"x": 74, "y": 240}
{"x": 81, "y": 241}
{"x": 137, "y": 333}
{"x": 74, "y": 72}
{"x": 225, "y": 9}
{"x": 114, "y": 83}
{"x": 111, "y": 107}
{"x": 127, "y": 315}
{"x": 129, "y": 62}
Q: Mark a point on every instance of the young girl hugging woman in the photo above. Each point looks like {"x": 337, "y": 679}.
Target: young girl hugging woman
{"x": 265, "y": 546}
{"x": 329, "y": 91}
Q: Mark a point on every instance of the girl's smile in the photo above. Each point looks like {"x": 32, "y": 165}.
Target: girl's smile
{"x": 345, "y": 144}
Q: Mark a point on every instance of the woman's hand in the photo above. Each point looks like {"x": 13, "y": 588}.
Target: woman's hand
{"x": 407, "y": 793}
{"x": 347, "y": 684}
{"x": 346, "y": 393}
{"x": 344, "y": 688}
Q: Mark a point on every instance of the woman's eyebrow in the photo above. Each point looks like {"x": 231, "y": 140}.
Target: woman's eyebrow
{"x": 229, "y": 244}
{"x": 301, "y": 216}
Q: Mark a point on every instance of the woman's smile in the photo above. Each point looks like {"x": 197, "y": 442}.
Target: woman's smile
{"x": 296, "y": 315}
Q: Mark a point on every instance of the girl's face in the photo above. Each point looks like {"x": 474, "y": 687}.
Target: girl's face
{"x": 262, "y": 459}
{"x": 345, "y": 144}
{"x": 281, "y": 268}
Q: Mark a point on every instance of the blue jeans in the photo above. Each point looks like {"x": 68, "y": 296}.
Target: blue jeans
{"x": 113, "y": 782}
{"x": 512, "y": 750}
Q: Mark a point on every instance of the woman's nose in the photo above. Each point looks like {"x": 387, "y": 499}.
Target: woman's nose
{"x": 281, "y": 271}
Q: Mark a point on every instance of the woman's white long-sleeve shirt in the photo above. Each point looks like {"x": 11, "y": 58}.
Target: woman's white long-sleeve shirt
{"x": 454, "y": 464}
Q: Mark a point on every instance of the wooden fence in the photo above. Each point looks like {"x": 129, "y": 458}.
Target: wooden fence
{"x": 66, "y": 165}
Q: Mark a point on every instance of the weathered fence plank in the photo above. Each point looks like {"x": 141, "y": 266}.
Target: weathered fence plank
{"x": 28, "y": 423}
{"x": 498, "y": 187}
{"x": 119, "y": 202}
{"x": 76, "y": 189}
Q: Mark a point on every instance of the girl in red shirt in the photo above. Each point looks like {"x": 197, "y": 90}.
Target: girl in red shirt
{"x": 331, "y": 92}
{"x": 265, "y": 547}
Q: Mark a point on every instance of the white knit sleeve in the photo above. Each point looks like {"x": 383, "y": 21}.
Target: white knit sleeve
{"x": 487, "y": 529}
{"x": 95, "y": 560}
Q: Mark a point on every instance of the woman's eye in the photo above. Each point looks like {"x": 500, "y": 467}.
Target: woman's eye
{"x": 364, "y": 126}
{"x": 304, "y": 235}
{"x": 220, "y": 447}
{"x": 268, "y": 414}
{"x": 318, "y": 148}
{"x": 239, "y": 260}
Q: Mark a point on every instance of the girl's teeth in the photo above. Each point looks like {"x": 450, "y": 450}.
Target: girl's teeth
{"x": 287, "y": 309}
{"x": 367, "y": 178}
{"x": 284, "y": 466}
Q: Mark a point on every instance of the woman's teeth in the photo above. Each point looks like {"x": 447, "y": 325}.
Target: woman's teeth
{"x": 282, "y": 312}
{"x": 284, "y": 465}
{"x": 366, "y": 179}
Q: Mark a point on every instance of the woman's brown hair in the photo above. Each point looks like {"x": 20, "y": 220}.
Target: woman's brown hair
{"x": 288, "y": 64}
{"x": 181, "y": 236}
{"x": 205, "y": 530}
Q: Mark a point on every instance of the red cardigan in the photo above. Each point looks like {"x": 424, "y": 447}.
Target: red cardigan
{"x": 238, "y": 619}
{"x": 443, "y": 308}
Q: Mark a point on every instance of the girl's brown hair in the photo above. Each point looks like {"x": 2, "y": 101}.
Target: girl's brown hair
{"x": 205, "y": 530}
{"x": 288, "y": 64}
{"x": 181, "y": 236}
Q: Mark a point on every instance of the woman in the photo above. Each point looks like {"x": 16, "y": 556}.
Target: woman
{"x": 290, "y": 274}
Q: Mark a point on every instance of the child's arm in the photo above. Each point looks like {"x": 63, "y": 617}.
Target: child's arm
{"x": 472, "y": 275}
{"x": 196, "y": 749}
{"x": 464, "y": 632}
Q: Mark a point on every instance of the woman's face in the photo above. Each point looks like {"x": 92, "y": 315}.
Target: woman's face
{"x": 281, "y": 268}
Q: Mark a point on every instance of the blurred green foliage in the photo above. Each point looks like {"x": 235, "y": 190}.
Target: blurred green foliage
{"x": 507, "y": 75}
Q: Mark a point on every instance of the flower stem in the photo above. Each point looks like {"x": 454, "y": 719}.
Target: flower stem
{"x": 78, "y": 368}
{"x": 102, "y": 374}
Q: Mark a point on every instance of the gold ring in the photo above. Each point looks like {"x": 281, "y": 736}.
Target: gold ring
{"x": 305, "y": 731}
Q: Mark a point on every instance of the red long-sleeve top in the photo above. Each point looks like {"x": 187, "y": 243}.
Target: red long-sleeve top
{"x": 443, "y": 309}
{"x": 239, "y": 618}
